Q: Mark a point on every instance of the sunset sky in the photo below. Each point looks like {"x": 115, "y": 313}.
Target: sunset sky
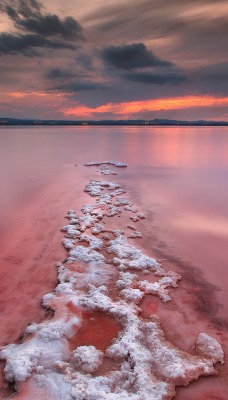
{"x": 116, "y": 59}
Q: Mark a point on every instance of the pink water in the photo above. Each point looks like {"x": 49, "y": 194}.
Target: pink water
{"x": 177, "y": 175}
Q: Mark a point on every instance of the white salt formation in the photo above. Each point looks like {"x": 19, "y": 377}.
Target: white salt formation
{"x": 160, "y": 288}
{"x": 102, "y": 277}
{"x": 135, "y": 219}
{"x": 132, "y": 227}
{"x": 121, "y": 201}
{"x": 87, "y": 358}
{"x": 98, "y": 228}
{"x": 104, "y": 166}
{"x": 115, "y": 163}
{"x": 135, "y": 234}
{"x": 105, "y": 170}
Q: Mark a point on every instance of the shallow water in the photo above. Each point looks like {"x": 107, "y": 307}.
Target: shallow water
{"x": 177, "y": 175}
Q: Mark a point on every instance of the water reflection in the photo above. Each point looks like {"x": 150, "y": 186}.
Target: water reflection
{"x": 178, "y": 175}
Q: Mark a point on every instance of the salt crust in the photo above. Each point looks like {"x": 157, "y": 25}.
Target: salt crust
{"x": 105, "y": 170}
{"x": 47, "y": 345}
{"x": 93, "y": 210}
{"x": 88, "y": 220}
{"x": 160, "y": 288}
{"x": 145, "y": 353}
{"x": 117, "y": 192}
{"x": 112, "y": 210}
{"x": 71, "y": 230}
{"x": 71, "y": 214}
{"x": 130, "y": 208}
{"x": 115, "y": 163}
{"x": 135, "y": 219}
{"x": 68, "y": 243}
{"x": 98, "y": 228}
{"x": 121, "y": 201}
{"x": 134, "y": 295}
{"x": 85, "y": 254}
{"x": 95, "y": 187}
{"x": 135, "y": 234}
{"x": 88, "y": 208}
{"x": 150, "y": 367}
{"x": 132, "y": 227}
{"x": 141, "y": 215}
{"x": 125, "y": 280}
{"x": 94, "y": 242}
{"x": 209, "y": 347}
{"x": 129, "y": 256}
{"x": 87, "y": 358}
{"x": 104, "y": 199}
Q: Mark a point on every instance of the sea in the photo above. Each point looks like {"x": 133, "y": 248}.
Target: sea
{"x": 178, "y": 177}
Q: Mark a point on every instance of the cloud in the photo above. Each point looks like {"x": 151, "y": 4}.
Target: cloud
{"x": 52, "y": 25}
{"x": 37, "y": 29}
{"x": 215, "y": 72}
{"x": 86, "y": 61}
{"x": 58, "y": 73}
{"x": 25, "y": 44}
{"x": 179, "y": 28}
{"x": 155, "y": 78}
{"x": 132, "y": 56}
{"x": 148, "y": 49}
{"x": 16, "y": 9}
{"x": 210, "y": 79}
{"x": 80, "y": 86}
{"x": 136, "y": 63}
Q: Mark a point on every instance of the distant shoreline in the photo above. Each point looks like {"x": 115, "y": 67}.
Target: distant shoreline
{"x": 154, "y": 122}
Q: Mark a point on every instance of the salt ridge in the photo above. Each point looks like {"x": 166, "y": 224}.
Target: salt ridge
{"x": 149, "y": 367}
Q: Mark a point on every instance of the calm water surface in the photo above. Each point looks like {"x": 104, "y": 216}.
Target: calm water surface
{"x": 178, "y": 176}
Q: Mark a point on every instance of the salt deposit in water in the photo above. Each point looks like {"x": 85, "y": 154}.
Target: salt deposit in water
{"x": 144, "y": 365}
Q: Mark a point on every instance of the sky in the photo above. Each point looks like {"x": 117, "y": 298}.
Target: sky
{"x": 116, "y": 59}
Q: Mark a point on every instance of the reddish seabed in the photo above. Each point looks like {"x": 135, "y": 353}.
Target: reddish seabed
{"x": 193, "y": 309}
{"x": 172, "y": 234}
{"x": 98, "y": 330}
{"x": 30, "y": 249}
{"x": 28, "y": 258}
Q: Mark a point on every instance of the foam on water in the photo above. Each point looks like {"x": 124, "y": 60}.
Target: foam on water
{"x": 104, "y": 276}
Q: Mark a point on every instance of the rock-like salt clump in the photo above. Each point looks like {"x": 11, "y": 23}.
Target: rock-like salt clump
{"x": 115, "y": 163}
{"x": 87, "y": 358}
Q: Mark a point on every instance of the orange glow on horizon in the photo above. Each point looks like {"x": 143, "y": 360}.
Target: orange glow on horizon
{"x": 134, "y": 107}
{"x": 26, "y": 94}
{"x": 37, "y": 105}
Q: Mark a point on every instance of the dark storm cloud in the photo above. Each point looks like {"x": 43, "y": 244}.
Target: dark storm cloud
{"x": 58, "y": 73}
{"x": 141, "y": 65}
{"x": 16, "y": 9}
{"x": 25, "y": 44}
{"x": 80, "y": 86}
{"x": 52, "y": 25}
{"x": 170, "y": 78}
{"x": 28, "y": 15}
{"x": 131, "y": 56}
{"x": 37, "y": 29}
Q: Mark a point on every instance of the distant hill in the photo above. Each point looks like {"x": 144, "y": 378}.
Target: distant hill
{"x": 162, "y": 122}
